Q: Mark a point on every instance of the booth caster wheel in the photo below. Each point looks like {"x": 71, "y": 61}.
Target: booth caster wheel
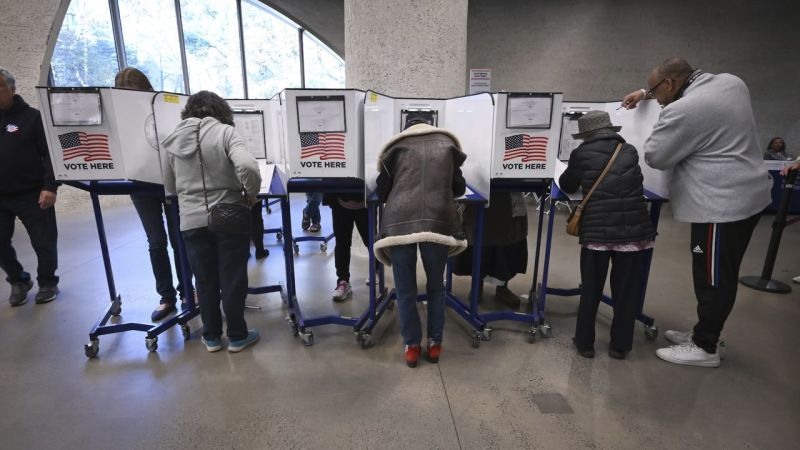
{"x": 365, "y": 339}
{"x": 292, "y": 326}
{"x": 650, "y": 332}
{"x": 308, "y": 338}
{"x": 151, "y": 344}
{"x": 323, "y": 247}
{"x": 187, "y": 332}
{"x": 532, "y": 335}
{"x": 546, "y": 330}
{"x": 296, "y": 249}
{"x": 486, "y": 334}
{"x": 279, "y": 236}
{"x": 92, "y": 348}
{"x": 476, "y": 340}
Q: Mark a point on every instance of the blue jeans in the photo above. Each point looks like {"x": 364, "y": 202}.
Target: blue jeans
{"x": 41, "y": 227}
{"x": 313, "y": 200}
{"x": 219, "y": 263}
{"x": 152, "y": 209}
{"x": 404, "y": 267}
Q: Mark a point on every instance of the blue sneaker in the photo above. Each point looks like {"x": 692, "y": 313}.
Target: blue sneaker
{"x": 241, "y": 344}
{"x": 212, "y": 345}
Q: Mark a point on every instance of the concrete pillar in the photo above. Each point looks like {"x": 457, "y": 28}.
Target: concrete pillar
{"x": 413, "y": 48}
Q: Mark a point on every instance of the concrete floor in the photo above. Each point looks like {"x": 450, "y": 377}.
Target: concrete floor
{"x": 280, "y": 394}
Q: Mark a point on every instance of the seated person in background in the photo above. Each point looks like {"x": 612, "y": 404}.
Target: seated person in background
{"x": 776, "y": 150}
{"x": 152, "y": 208}
{"x": 420, "y": 177}
{"x": 505, "y": 244}
{"x": 616, "y": 227}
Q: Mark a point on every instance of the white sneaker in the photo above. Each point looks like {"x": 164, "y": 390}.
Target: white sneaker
{"x": 688, "y": 355}
{"x": 678, "y": 337}
{"x": 342, "y": 291}
{"x": 796, "y": 279}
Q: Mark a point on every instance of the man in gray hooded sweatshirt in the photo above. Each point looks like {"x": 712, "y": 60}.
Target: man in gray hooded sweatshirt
{"x": 707, "y": 135}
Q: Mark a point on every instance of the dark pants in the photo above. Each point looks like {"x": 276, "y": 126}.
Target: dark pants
{"x": 343, "y": 220}
{"x": 42, "y": 229}
{"x": 626, "y": 280}
{"x": 257, "y": 225}
{"x": 219, "y": 264}
{"x": 717, "y": 252}
{"x": 152, "y": 209}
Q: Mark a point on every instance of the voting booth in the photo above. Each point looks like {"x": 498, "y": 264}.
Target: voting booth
{"x": 637, "y": 124}
{"x": 526, "y": 134}
{"x": 323, "y": 135}
{"x": 100, "y": 134}
{"x": 470, "y": 118}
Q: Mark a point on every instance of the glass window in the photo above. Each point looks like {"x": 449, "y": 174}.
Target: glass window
{"x": 150, "y": 33}
{"x": 324, "y": 68}
{"x": 84, "y": 54}
{"x": 272, "y": 51}
{"x": 211, "y": 37}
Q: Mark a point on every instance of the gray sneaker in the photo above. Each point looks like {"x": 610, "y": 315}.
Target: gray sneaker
{"x": 46, "y": 294}
{"x": 19, "y": 293}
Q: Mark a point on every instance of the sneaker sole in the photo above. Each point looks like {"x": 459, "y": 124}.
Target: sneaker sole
{"x": 212, "y": 348}
{"x": 18, "y": 304}
{"x": 237, "y": 349}
{"x": 41, "y": 301}
{"x": 710, "y": 364}
{"x": 411, "y": 364}
{"x": 341, "y": 299}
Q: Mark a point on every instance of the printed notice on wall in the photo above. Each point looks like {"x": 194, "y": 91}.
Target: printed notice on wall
{"x": 480, "y": 80}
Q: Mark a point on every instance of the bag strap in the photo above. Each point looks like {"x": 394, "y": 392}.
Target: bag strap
{"x": 202, "y": 170}
{"x": 602, "y": 175}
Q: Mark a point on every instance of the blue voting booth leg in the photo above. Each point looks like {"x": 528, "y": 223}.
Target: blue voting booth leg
{"x": 535, "y": 313}
{"x": 469, "y": 312}
{"x": 257, "y": 290}
{"x": 114, "y": 309}
{"x": 379, "y": 300}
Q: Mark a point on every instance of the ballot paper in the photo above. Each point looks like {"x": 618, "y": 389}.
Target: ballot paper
{"x": 76, "y": 108}
{"x": 321, "y": 115}
{"x": 529, "y": 111}
{"x": 250, "y": 127}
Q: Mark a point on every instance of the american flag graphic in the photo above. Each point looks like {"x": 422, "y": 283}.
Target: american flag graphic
{"x": 323, "y": 145}
{"x": 526, "y": 147}
{"x": 92, "y": 147}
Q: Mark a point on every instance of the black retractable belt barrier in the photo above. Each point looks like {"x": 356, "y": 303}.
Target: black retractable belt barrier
{"x": 765, "y": 281}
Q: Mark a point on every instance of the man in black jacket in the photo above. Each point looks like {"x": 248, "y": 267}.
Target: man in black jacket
{"x": 28, "y": 192}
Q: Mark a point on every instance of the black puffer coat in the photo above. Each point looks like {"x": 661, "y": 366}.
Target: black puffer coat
{"x": 616, "y": 212}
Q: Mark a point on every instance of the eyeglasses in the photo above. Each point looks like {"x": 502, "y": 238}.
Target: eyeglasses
{"x": 652, "y": 92}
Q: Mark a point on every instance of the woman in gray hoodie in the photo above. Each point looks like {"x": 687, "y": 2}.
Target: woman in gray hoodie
{"x": 229, "y": 174}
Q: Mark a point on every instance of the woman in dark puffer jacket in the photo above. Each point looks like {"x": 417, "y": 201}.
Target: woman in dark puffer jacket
{"x": 616, "y": 228}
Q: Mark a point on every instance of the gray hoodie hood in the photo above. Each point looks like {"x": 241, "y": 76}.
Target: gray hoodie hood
{"x": 182, "y": 142}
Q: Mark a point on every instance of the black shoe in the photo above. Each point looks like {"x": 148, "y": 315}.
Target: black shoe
{"x": 306, "y": 221}
{"x": 46, "y": 294}
{"x": 506, "y": 297}
{"x": 261, "y": 253}
{"x": 587, "y": 353}
{"x": 164, "y": 309}
{"x": 616, "y": 354}
{"x": 19, "y": 293}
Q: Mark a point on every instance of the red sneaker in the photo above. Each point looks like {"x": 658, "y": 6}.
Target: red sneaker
{"x": 434, "y": 350}
{"x": 412, "y": 355}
